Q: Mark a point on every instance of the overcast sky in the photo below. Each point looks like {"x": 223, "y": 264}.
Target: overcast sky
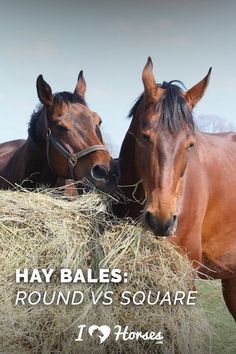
{"x": 110, "y": 41}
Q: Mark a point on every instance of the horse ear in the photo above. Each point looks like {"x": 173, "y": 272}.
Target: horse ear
{"x": 148, "y": 78}
{"x": 196, "y": 92}
{"x": 44, "y": 91}
{"x": 80, "y": 88}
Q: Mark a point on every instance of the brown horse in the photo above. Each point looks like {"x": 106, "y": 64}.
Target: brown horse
{"x": 185, "y": 180}
{"x": 64, "y": 141}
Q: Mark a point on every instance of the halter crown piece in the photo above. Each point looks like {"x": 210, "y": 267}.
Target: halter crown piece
{"x": 72, "y": 158}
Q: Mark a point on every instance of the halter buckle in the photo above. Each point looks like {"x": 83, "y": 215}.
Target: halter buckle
{"x": 49, "y": 133}
{"x": 73, "y": 160}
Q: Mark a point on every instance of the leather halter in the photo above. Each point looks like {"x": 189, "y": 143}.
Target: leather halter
{"x": 72, "y": 158}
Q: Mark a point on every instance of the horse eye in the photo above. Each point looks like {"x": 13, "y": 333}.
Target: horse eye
{"x": 190, "y": 146}
{"x": 146, "y": 137}
{"x": 100, "y": 122}
{"x": 61, "y": 128}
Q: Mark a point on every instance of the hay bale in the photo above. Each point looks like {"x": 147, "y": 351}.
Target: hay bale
{"x": 40, "y": 230}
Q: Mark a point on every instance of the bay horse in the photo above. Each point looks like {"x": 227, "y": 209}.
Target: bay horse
{"x": 64, "y": 140}
{"x": 185, "y": 180}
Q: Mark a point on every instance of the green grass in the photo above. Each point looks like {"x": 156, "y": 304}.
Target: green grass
{"x": 223, "y": 339}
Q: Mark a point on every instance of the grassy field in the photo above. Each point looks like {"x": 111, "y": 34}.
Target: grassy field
{"x": 222, "y": 323}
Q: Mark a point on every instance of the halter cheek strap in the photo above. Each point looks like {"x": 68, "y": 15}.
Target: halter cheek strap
{"x": 72, "y": 158}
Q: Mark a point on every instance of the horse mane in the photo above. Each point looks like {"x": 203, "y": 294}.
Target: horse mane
{"x": 58, "y": 98}
{"x": 175, "y": 113}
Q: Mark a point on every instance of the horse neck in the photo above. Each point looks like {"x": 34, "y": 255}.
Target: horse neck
{"x": 28, "y": 167}
{"x": 129, "y": 176}
{"x": 193, "y": 198}
{"x": 128, "y": 171}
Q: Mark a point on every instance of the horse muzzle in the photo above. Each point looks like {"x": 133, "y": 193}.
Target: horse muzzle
{"x": 105, "y": 178}
{"x": 161, "y": 228}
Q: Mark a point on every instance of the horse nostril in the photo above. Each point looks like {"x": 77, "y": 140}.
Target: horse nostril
{"x": 170, "y": 225}
{"x": 175, "y": 223}
{"x": 99, "y": 172}
{"x": 148, "y": 218}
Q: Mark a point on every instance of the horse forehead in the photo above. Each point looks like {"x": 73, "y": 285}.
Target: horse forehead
{"x": 170, "y": 139}
{"x": 78, "y": 110}
{"x": 76, "y": 113}
{"x": 150, "y": 117}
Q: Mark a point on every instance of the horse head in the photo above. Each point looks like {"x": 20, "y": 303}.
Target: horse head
{"x": 165, "y": 139}
{"x": 68, "y": 134}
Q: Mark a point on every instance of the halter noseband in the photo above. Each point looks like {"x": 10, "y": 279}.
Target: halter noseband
{"x": 70, "y": 157}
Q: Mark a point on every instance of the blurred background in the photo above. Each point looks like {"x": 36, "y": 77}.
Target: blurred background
{"x": 110, "y": 41}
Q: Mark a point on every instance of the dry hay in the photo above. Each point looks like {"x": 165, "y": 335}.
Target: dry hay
{"x": 39, "y": 230}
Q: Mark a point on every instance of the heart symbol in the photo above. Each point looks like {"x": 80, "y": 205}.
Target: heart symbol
{"x": 105, "y": 330}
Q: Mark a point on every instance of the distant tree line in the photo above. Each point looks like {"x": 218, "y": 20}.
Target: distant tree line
{"x": 214, "y": 124}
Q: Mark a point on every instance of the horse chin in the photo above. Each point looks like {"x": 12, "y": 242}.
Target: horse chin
{"x": 162, "y": 236}
{"x": 107, "y": 187}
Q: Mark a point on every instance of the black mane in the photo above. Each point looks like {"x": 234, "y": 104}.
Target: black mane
{"x": 175, "y": 113}
{"x": 58, "y": 98}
